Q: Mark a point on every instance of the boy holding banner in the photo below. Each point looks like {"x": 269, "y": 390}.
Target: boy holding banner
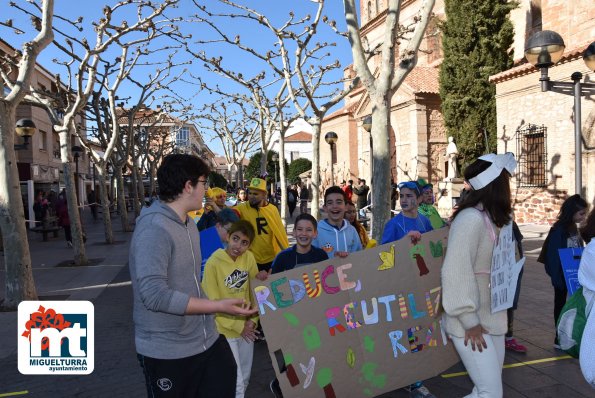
{"x": 227, "y": 275}
{"x": 409, "y": 223}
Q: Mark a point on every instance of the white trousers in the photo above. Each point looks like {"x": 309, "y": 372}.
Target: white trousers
{"x": 243, "y": 352}
{"x": 484, "y": 368}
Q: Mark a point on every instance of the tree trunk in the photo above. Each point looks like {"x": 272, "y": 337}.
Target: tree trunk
{"x": 18, "y": 284}
{"x": 80, "y": 256}
{"x": 381, "y": 161}
{"x": 122, "y": 200}
{"x": 105, "y": 205}
{"x": 136, "y": 179}
{"x": 283, "y": 205}
{"x": 315, "y": 186}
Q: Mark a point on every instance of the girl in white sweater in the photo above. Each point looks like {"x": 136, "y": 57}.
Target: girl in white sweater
{"x": 477, "y": 334}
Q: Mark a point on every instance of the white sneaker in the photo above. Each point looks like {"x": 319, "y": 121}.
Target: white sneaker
{"x": 68, "y": 243}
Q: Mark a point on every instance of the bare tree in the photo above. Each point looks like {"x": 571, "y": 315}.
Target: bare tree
{"x": 306, "y": 75}
{"x": 19, "y": 284}
{"x": 382, "y": 87}
{"x": 82, "y": 74}
{"x": 235, "y": 124}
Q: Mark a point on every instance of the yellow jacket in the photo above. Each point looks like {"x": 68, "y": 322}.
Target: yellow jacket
{"x": 270, "y": 237}
{"x": 226, "y": 278}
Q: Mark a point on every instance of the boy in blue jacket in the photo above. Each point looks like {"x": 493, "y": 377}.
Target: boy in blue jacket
{"x": 336, "y": 236}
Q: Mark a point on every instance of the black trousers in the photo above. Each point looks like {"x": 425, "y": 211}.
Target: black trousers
{"x": 559, "y": 301}
{"x": 210, "y": 374}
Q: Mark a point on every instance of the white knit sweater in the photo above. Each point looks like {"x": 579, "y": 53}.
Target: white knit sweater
{"x": 466, "y": 276}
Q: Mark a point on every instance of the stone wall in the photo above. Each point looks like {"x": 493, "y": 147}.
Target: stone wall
{"x": 536, "y": 205}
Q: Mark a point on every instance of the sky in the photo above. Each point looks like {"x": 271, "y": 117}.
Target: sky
{"x": 234, "y": 59}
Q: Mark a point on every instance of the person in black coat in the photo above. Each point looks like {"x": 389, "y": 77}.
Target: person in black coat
{"x": 563, "y": 234}
{"x": 362, "y": 195}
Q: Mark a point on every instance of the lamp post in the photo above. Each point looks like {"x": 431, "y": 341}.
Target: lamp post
{"x": 24, "y": 128}
{"x": 275, "y": 159}
{"x": 76, "y": 151}
{"x": 543, "y": 50}
{"x": 330, "y": 138}
{"x": 367, "y": 125}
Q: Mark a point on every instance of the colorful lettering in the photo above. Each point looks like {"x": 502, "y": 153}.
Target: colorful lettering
{"x": 370, "y": 319}
{"x": 343, "y": 282}
{"x": 403, "y": 307}
{"x": 386, "y": 300}
{"x": 413, "y": 346}
{"x": 262, "y": 293}
{"x": 430, "y": 340}
{"x": 279, "y": 295}
{"x": 329, "y": 289}
{"x": 395, "y": 336}
{"x": 331, "y": 318}
{"x": 350, "y": 320}
{"x": 414, "y": 311}
{"x": 312, "y": 292}
{"x": 298, "y": 290}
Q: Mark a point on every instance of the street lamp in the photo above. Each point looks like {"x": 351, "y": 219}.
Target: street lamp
{"x": 76, "y": 151}
{"x": 275, "y": 159}
{"x": 367, "y": 125}
{"x": 330, "y": 138}
{"x": 543, "y": 50}
{"x": 25, "y": 128}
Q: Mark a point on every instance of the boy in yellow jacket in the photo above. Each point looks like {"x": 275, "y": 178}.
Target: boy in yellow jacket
{"x": 227, "y": 275}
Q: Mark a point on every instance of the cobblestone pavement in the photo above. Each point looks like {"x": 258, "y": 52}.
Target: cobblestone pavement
{"x": 542, "y": 372}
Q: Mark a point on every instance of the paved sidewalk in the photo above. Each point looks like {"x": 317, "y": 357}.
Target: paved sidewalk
{"x": 117, "y": 374}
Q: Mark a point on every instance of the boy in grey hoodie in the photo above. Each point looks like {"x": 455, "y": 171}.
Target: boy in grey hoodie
{"x": 336, "y": 236}
{"x": 177, "y": 342}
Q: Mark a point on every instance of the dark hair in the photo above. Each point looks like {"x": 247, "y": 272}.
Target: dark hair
{"x": 350, "y": 181}
{"x": 244, "y": 227}
{"x": 495, "y": 197}
{"x": 175, "y": 170}
{"x": 588, "y": 230}
{"x": 334, "y": 189}
{"x": 569, "y": 208}
{"x": 307, "y": 217}
{"x": 226, "y": 216}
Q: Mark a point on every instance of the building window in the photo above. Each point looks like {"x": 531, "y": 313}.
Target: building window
{"x": 56, "y": 148}
{"x": 293, "y": 155}
{"x": 43, "y": 140}
{"x": 183, "y": 136}
{"x": 532, "y": 155}
{"x": 377, "y": 7}
{"x": 369, "y": 10}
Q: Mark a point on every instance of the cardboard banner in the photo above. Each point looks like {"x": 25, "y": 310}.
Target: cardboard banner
{"x": 358, "y": 326}
{"x": 505, "y": 270}
{"x": 571, "y": 259}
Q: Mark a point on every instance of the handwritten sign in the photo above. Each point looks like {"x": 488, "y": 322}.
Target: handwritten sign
{"x": 505, "y": 270}
{"x": 358, "y": 326}
{"x": 570, "y": 259}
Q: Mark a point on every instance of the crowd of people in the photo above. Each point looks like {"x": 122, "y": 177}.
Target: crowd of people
{"x": 195, "y": 319}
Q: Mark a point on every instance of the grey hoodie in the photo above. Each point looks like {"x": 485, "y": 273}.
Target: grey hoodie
{"x": 164, "y": 269}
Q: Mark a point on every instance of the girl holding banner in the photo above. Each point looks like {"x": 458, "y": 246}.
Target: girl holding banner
{"x": 562, "y": 235}
{"x": 477, "y": 333}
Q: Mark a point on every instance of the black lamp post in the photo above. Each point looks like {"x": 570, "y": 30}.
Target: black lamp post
{"x": 543, "y": 50}
{"x": 76, "y": 151}
{"x": 367, "y": 125}
{"x": 275, "y": 159}
{"x": 25, "y": 128}
{"x": 330, "y": 138}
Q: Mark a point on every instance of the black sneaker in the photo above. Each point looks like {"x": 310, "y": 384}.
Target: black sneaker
{"x": 275, "y": 389}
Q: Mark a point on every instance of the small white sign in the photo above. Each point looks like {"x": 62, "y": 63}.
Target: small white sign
{"x": 56, "y": 337}
{"x": 505, "y": 270}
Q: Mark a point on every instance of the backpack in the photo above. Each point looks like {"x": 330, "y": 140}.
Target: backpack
{"x": 571, "y": 323}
